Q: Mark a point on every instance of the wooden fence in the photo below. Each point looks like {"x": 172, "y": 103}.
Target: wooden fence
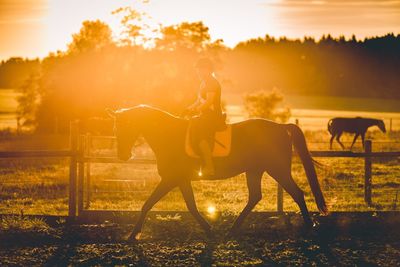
{"x": 79, "y": 157}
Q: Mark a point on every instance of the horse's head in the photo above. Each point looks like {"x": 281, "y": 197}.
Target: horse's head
{"x": 381, "y": 126}
{"x": 126, "y": 131}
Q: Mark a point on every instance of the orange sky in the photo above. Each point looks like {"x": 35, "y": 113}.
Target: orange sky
{"x": 32, "y": 28}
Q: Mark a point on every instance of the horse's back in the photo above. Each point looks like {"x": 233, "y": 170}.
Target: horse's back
{"x": 259, "y": 134}
{"x": 350, "y": 125}
{"x": 255, "y": 126}
{"x": 258, "y": 144}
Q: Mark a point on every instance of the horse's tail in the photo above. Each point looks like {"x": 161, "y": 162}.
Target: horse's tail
{"x": 330, "y": 126}
{"x": 300, "y": 145}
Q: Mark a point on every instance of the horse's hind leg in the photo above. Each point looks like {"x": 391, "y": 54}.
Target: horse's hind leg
{"x": 338, "y": 139}
{"x": 254, "y": 187}
{"x": 284, "y": 178}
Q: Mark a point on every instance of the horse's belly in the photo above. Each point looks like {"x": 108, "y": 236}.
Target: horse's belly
{"x": 258, "y": 149}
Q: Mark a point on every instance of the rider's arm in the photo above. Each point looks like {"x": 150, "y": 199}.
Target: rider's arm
{"x": 206, "y": 104}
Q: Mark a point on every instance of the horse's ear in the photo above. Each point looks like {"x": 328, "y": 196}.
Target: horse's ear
{"x": 111, "y": 112}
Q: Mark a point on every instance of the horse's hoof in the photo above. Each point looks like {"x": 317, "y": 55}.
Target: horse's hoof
{"x": 315, "y": 225}
{"x": 309, "y": 227}
{"x": 133, "y": 237}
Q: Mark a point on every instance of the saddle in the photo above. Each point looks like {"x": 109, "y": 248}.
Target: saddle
{"x": 222, "y": 143}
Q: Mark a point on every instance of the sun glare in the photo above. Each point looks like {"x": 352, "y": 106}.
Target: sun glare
{"x": 65, "y": 18}
{"x": 211, "y": 210}
{"x": 34, "y": 28}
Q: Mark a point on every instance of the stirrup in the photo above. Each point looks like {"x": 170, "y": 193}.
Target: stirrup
{"x": 201, "y": 174}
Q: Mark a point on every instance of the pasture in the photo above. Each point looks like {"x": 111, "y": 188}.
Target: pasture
{"x": 8, "y": 106}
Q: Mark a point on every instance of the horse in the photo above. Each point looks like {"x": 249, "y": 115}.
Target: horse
{"x": 357, "y": 125}
{"x": 258, "y": 146}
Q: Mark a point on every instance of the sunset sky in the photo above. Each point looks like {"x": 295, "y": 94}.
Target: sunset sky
{"x": 31, "y": 28}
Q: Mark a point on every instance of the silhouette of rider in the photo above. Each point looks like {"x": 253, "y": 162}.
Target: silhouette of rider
{"x": 209, "y": 117}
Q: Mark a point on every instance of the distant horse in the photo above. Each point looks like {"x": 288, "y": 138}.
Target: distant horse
{"x": 258, "y": 145}
{"x": 357, "y": 125}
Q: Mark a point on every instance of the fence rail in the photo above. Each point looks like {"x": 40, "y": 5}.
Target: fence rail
{"x": 114, "y": 160}
{"x": 349, "y": 154}
{"x": 38, "y": 153}
{"x": 79, "y": 155}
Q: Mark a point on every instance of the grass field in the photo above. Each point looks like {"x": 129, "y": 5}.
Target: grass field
{"x": 8, "y": 107}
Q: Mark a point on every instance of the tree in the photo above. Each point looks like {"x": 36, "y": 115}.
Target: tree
{"x": 265, "y": 104}
{"x": 187, "y": 35}
{"x": 136, "y": 27}
{"x": 28, "y": 102}
{"x": 93, "y": 35}
{"x": 15, "y": 70}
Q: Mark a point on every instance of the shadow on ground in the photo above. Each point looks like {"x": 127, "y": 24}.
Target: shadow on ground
{"x": 348, "y": 239}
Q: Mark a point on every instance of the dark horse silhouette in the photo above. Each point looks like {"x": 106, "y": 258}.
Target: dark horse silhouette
{"x": 258, "y": 145}
{"x": 357, "y": 125}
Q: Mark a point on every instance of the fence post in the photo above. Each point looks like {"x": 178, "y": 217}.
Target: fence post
{"x": 368, "y": 173}
{"x": 81, "y": 173}
{"x": 279, "y": 199}
{"x": 87, "y": 153}
{"x": 72, "y": 168}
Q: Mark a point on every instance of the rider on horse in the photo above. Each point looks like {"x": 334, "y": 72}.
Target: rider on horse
{"x": 209, "y": 117}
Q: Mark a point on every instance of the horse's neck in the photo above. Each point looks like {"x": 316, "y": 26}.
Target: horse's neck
{"x": 163, "y": 133}
{"x": 372, "y": 122}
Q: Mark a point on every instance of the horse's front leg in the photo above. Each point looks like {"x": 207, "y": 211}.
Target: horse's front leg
{"x": 363, "y": 139}
{"x": 161, "y": 190}
{"x": 188, "y": 196}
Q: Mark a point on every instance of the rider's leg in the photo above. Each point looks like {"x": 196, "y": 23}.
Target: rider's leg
{"x": 207, "y": 158}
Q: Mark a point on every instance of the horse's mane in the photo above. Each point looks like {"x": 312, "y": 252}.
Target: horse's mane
{"x": 146, "y": 108}
{"x": 371, "y": 120}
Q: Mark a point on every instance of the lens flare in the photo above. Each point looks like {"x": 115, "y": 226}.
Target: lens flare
{"x": 211, "y": 210}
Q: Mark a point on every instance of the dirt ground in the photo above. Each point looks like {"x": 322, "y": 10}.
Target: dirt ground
{"x": 175, "y": 239}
